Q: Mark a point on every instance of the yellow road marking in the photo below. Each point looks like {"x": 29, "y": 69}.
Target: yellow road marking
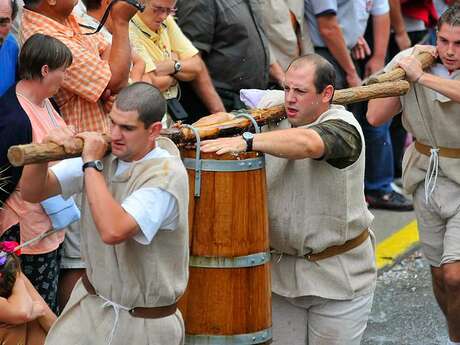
{"x": 397, "y": 244}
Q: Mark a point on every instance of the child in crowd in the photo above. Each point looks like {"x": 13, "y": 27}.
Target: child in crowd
{"x": 25, "y": 318}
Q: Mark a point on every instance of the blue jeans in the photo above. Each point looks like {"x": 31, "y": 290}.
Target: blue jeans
{"x": 379, "y": 155}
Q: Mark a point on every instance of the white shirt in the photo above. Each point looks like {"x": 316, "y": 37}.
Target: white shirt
{"x": 352, "y": 16}
{"x": 151, "y": 208}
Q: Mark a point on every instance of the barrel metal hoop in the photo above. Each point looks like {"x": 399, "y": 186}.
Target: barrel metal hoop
{"x": 197, "y": 160}
{"x": 250, "y": 118}
{"x": 226, "y": 165}
{"x": 237, "y": 339}
{"x": 252, "y": 260}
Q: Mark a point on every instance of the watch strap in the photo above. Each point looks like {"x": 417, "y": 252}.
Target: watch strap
{"x": 248, "y": 143}
{"x": 91, "y": 164}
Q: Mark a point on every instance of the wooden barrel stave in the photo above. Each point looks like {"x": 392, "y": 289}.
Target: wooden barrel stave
{"x": 228, "y": 220}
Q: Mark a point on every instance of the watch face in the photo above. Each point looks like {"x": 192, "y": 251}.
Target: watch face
{"x": 248, "y": 135}
{"x": 99, "y": 165}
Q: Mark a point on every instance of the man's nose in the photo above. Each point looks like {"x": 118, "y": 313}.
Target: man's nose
{"x": 290, "y": 96}
{"x": 115, "y": 132}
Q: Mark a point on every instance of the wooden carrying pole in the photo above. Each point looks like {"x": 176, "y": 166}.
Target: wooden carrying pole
{"x": 39, "y": 153}
{"x": 426, "y": 59}
{"x": 20, "y": 155}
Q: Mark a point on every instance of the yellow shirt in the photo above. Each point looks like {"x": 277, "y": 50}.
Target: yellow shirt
{"x": 157, "y": 45}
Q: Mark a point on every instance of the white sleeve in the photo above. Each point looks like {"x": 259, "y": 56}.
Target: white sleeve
{"x": 152, "y": 209}
{"x": 321, "y": 6}
{"x": 70, "y": 176}
{"x": 380, "y": 7}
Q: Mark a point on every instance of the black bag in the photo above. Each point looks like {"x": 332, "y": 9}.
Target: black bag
{"x": 176, "y": 110}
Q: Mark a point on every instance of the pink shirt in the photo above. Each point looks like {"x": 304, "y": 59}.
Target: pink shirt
{"x": 31, "y": 217}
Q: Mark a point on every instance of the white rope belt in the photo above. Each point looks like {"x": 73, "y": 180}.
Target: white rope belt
{"x": 116, "y": 308}
{"x": 432, "y": 173}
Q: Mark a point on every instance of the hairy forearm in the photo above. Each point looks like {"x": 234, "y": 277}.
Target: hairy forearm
{"x": 120, "y": 58}
{"x": 295, "y": 143}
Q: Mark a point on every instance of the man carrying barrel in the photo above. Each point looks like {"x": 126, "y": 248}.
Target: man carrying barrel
{"x": 323, "y": 270}
{"x": 431, "y": 111}
{"x": 135, "y": 226}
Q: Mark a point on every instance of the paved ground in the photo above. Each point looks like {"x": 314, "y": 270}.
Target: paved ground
{"x": 405, "y": 311}
{"x": 387, "y": 222}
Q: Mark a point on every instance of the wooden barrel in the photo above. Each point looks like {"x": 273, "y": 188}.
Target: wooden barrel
{"x": 228, "y": 298}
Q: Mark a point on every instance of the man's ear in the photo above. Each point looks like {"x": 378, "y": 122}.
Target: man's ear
{"x": 154, "y": 130}
{"x": 44, "y": 71}
{"x": 328, "y": 93}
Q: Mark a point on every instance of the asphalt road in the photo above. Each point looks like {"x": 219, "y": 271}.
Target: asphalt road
{"x": 405, "y": 311}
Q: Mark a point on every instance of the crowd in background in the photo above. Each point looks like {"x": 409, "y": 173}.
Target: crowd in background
{"x": 200, "y": 54}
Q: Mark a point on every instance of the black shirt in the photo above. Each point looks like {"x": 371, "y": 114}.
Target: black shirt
{"x": 230, "y": 39}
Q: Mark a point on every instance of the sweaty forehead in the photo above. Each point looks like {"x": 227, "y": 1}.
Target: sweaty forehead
{"x": 299, "y": 77}
{"x": 5, "y": 9}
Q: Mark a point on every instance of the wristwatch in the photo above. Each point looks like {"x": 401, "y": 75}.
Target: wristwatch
{"x": 248, "y": 137}
{"x": 177, "y": 67}
{"x": 98, "y": 165}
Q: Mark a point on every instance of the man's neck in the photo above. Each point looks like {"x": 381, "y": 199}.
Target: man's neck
{"x": 50, "y": 13}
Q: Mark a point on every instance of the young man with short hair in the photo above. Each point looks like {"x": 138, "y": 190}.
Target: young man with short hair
{"x": 431, "y": 165}
{"x": 134, "y": 226}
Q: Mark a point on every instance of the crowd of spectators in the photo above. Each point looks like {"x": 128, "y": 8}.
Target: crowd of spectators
{"x": 199, "y": 54}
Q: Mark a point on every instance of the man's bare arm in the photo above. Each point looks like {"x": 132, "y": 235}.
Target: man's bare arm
{"x": 381, "y": 36}
{"x": 332, "y": 35}
{"x": 191, "y": 67}
{"x": 38, "y": 183}
{"x": 293, "y": 143}
{"x": 399, "y": 27}
{"x": 381, "y": 110}
{"x": 113, "y": 223}
{"x": 120, "y": 50}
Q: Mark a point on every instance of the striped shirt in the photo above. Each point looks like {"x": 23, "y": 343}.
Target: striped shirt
{"x": 87, "y": 77}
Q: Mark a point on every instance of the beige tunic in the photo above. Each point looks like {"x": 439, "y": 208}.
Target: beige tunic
{"x": 434, "y": 120}
{"x": 430, "y": 116}
{"x": 130, "y": 274}
{"x": 312, "y": 206}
